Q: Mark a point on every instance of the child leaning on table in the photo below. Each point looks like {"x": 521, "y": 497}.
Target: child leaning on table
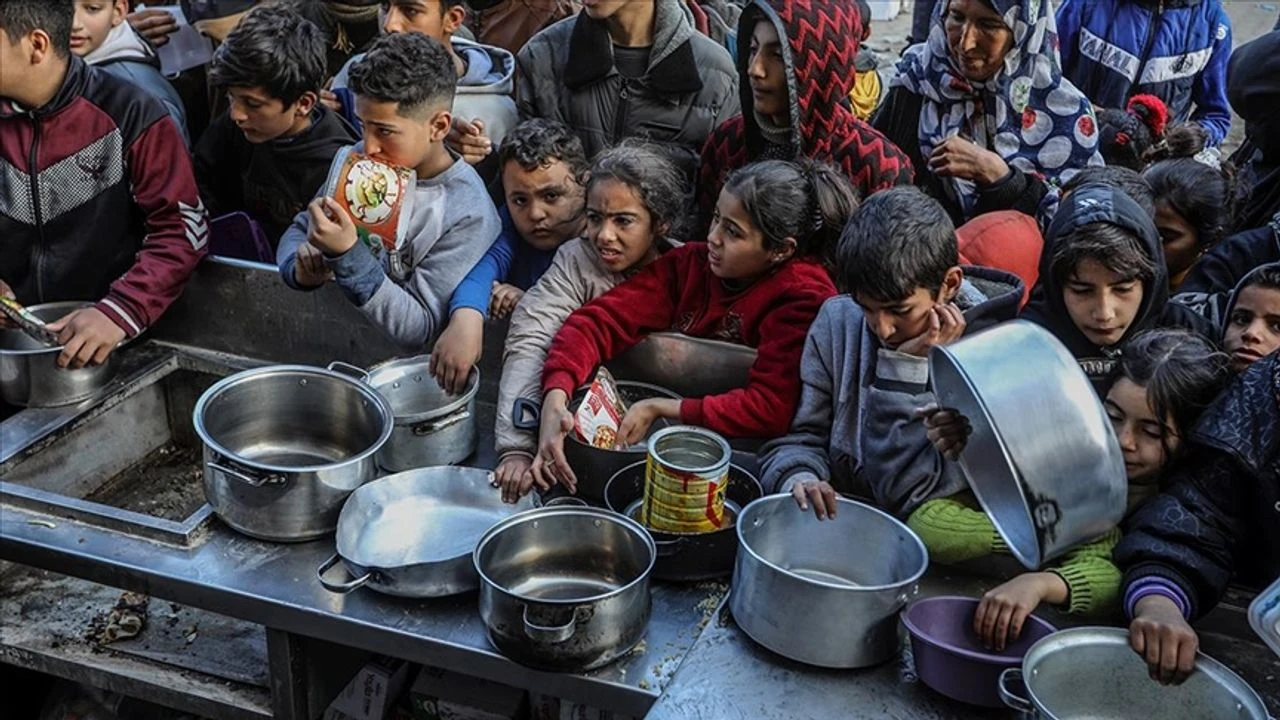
{"x": 404, "y": 89}
{"x": 1164, "y": 380}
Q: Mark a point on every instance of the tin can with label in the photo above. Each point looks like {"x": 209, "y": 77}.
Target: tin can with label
{"x": 686, "y": 474}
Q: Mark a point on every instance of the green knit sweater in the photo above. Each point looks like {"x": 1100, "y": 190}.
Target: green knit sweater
{"x": 955, "y": 529}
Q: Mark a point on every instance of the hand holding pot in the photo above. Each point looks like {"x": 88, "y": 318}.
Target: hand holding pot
{"x": 947, "y": 429}
{"x": 808, "y": 489}
{"x": 1163, "y": 637}
{"x": 87, "y": 336}
{"x": 458, "y": 350}
{"x": 1005, "y": 608}
{"x": 514, "y": 476}
{"x": 550, "y": 465}
{"x": 635, "y": 425}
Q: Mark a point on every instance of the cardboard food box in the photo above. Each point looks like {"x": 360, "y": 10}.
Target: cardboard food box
{"x": 372, "y": 692}
{"x": 600, "y": 415}
{"x": 377, "y": 196}
{"x": 438, "y": 694}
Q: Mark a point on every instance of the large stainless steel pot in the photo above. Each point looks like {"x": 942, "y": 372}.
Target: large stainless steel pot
{"x": 1091, "y": 672}
{"x": 860, "y": 568}
{"x": 687, "y": 366}
{"x": 285, "y": 445}
{"x": 29, "y": 372}
{"x": 432, "y": 427}
{"x": 565, "y": 588}
{"x": 412, "y": 534}
{"x": 1043, "y": 459}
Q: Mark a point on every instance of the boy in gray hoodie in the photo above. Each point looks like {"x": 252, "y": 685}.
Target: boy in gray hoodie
{"x": 404, "y": 88}
{"x": 865, "y": 369}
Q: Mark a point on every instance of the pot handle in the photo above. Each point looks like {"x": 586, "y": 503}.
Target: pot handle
{"x": 525, "y": 406}
{"x": 349, "y": 370}
{"x": 554, "y": 634}
{"x": 340, "y": 588}
{"x": 435, "y": 426}
{"x": 1009, "y": 695}
{"x": 667, "y": 548}
{"x": 246, "y": 478}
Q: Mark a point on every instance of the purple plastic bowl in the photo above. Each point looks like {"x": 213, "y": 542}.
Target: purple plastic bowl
{"x": 948, "y": 655}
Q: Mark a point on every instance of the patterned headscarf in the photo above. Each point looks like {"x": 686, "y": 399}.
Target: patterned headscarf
{"x": 1027, "y": 112}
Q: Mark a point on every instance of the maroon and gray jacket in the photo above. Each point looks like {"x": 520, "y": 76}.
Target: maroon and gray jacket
{"x": 98, "y": 200}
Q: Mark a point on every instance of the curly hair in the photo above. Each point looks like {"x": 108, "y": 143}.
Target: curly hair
{"x": 409, "y": 69}
{"x": 536, "y": 143}
{"x": 648, "y": 171}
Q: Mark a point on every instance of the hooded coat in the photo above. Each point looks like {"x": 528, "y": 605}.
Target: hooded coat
{"x": 1253, "y": 86}
{"x": 127, "y": 56}
{"x": 820, "y": 52}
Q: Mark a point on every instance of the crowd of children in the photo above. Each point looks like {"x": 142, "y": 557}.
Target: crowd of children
{"x": 760, "y": 189}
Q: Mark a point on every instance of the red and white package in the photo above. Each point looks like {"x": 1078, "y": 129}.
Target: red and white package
{"x": 599, "y": 416}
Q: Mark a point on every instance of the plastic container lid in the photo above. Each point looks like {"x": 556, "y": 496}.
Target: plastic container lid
{"x": 1264, "y": 616}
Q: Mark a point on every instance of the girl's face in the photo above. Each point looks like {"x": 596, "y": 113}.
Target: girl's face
{"x": 1180, "y": 239}
{"x": 94, "y": 20}
{"x": 1253, "y": 330}
{"x": 736, "y": 245}
{"x": 1145, "y": 440}
{"x": 619, "y": 226}
{"x": 977, "y": 37}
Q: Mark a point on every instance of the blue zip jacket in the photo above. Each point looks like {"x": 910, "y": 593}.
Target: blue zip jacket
{"x": 1176, "y": 50}
{"x": 510, "y": 260}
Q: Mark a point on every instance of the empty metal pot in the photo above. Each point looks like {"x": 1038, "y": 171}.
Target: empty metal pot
{"x": 1043, "y": 459}
{"x": 1091, "y": 672}
{"x": 858, "y": 569}
{"x": 285, "y": 445}
{"x": 29, "y": 372}
{"x": 432, "y": 427}
{"x": 565, "y": 588}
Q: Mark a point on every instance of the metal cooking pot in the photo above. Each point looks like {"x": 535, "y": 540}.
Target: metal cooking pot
{"x": 688, "y": 366}
{"x": 1043, "y": 459}
{"x": 592, "y": 465}
{"x": 1092, "y": 672}
{"x": 285, "y": 445}
{"x": 29, "y": 372}
{"x": 686, "y": 557}
{"x": 565, "y": 588}
{"x": 412, "y": 534}
{"x": 861, "y": 568}
{"x": 432, "y": 427}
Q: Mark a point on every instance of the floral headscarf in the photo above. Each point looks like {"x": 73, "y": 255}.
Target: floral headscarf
{"x": 1027, "y": 112}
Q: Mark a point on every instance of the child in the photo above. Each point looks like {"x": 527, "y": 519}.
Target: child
{"x": 635, "y": 201}
{"x": 483, "y": 109}
{"x": 270, "y": 152}
{"x": 543, "y": 170}
{"x": 1164, "y": 380}
{"x": 869, "y": 88}
{"x": 1126, "y": 137}
{"x": 865, "y": 368}
{"x": 102, "y": 37}
{"x": 404, "y": 88}
{"x": 757, "y": 281}
{"x": 1129, "y": 182}
{"x": 99, "y": 202}
{"x": 809, "y": 49}
{"x": 1252, "y": 327}
{"x": 1218, "y": 520}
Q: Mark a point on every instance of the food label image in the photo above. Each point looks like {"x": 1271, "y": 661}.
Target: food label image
{"x": 375, "y": 195}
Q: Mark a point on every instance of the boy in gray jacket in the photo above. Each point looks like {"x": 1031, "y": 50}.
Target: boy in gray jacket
{"x": 404, "y": 90}
{"x": 865, "y": 369}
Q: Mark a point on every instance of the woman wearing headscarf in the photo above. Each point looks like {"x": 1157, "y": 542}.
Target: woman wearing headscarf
{"x": 983, "y": 111}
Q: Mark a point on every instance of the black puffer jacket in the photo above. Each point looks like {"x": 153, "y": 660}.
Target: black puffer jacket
{"x": 566, "y": 73}
{"x": 1221, "y": 515}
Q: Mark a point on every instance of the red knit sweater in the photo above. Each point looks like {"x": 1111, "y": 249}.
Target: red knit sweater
{"x": 679, "y": 292}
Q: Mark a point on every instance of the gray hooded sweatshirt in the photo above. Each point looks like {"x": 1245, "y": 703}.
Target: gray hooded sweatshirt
{"x": 129, "y": 57}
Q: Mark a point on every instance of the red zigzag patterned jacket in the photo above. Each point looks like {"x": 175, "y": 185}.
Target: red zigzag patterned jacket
{"x": 98, "y": 200}
{"x": 820, "y": 50}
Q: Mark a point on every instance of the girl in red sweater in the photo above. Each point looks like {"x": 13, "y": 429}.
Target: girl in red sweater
{"x": 757, "y": 281}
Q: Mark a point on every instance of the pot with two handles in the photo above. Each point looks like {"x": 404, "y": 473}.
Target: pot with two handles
{"x": 432, "y": 427}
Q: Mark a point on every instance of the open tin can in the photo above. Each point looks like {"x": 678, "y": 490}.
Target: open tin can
{"x": 686, "y": 474}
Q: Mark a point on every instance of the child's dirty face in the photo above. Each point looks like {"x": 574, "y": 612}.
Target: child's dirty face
{"x": 263, "y": 118}
{"x": 1253, "y": 330}
{"x": 619, "y": 226}
{"x": 737, "y": 247}
{"x": 1145, "y": 440}
{"x": 396, "y": 139}
{"x": 1180, "y": 240}
{"x": 423, "y": 16}
{"x": 546, "y": 204}
{"x": 898, "y": 321}
{"x": 767, "y": 71}
{"x": 94, "y": 20}
{"x": 1101, "y": 303}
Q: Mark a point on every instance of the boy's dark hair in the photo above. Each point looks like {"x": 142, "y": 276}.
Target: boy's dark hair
{"x": 804, "y": 200}
{"x": 1130, "y": 182}
{"x": 1205, "y": 196}
{"x": 1111, "y": 246}
{"x": 1266, "y": 276}
{"x": 1181, "y": 372}
{"x": 55, "y": 17}
{"x": 273, "y": 48}
{"x": 649, "y": 173}
{"x": 898, "y": 241}
{"x": 409, "y": 69}
{"x": 538, "y": 142}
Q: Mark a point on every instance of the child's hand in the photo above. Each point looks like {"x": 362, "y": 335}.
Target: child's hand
{"x": 1162, "y": 637}
{"x": 332, "y": 231}
{"x": 154, "y": 25}
{"x": 819, "y": 493}
{"x": 640, "y": 416}
{"x": 948, "y": 430}
{"x": 503, "y": 299}
{"x": 330, "y": 100}
{"x": 87, "y": 336}
{"x": 550, "y": 465}
{"x": 469, "y": 140}
{"x": 962, "y": 158}
{"x": 309, "y": 269}
{"x": 946, "y": 325}
{"x": 458, "y": 350}
{"x": 1004, "y": 609}
{"x": 514, "y": 477}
